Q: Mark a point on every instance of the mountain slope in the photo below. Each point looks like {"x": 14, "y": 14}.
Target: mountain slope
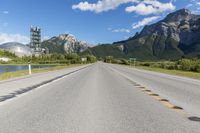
{"x": 64, "y": 43}
{"x": 175, "y": 36}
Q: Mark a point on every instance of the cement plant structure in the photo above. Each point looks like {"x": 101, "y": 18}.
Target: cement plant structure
{"x": 35, "y": 41}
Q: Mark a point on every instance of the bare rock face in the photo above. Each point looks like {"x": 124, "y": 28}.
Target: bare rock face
{"x": 73, "y": 45}
{"x": 65, "y": 43}
{"x": 121, "y": 47}
{"x": 180, "y": 26}
{"x": 179, "y": 31}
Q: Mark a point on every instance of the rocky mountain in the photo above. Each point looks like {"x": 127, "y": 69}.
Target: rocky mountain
{"x": 177, "y": 35}
{"x": 64, "y": 43}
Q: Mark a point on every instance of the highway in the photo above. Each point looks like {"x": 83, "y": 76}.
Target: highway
{"x": 181, "y": 91}
{"x": 105, "y": 98}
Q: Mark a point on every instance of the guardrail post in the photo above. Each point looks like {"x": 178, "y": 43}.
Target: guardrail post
{"x": 29, "y": 68}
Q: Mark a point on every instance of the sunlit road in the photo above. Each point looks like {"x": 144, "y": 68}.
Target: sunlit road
{"x": 100, "y": 99}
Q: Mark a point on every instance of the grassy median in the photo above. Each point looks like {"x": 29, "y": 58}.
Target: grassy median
{"x": 9, "y": 75}
{"x": 189, "y": 74}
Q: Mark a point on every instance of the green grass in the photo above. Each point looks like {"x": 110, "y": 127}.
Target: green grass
{"x": 9, "y": 75}
{"x": 189, "y": 74}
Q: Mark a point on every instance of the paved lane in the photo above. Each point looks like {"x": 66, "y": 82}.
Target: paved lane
{"x": 10, "y": 86}
{"x": 93, "y": 100}
{"x": 184, "y": 92}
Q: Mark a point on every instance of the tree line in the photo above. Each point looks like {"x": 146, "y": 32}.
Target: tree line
{"x": 184, "y": 64}
{"x": 54, "y": 58}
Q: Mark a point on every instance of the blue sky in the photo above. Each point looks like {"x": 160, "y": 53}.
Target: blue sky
{"x": 94, "y": 21}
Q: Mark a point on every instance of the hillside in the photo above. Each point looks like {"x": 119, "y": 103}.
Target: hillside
{"x": 7, "y": 54}
{"x": 177, "y": 35}
{"x": 64, "y": 43}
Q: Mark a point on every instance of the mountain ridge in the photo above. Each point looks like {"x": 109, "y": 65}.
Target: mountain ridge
{"x": 177, "y": 35}
{"x": 65, "y": 43}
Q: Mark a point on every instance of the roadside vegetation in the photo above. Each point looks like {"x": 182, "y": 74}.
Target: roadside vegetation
{"x": 58, "y": 61}
{"x": 47, "y": 59}
{"x": 181, "y": 67}
{"x": 7, "y": 54}
{"x": 8, "y": 75}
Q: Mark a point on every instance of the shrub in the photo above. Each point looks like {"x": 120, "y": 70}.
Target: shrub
{"x": 91, "y": 58}
{"x": 124, "y": 62}
{"x": 185, "y": 64}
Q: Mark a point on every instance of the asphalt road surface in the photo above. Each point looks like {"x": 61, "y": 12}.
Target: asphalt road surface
{"x": 100, "y": 99}
{"x": 184, "y": 92}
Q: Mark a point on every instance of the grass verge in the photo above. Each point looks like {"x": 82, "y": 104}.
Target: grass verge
{"x": 9, "y": 75}
{"x": 189, "y": 74}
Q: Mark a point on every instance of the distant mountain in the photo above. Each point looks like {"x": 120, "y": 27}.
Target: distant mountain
{"x": 175, "y": 36}
{"x": 64, "y": 43}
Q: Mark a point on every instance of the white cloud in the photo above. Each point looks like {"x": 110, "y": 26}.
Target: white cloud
{"x": 195, "y": 2}
{"x": 5, "y": 12}
{"x": 4, "y": 37}
{"x": 144, "y": 22}
{"x": 45, "y": 38}
{"x": 101, "y": 5}
{"x": 189, "y": 5}
{"x": 147, "y": 7}
{"x": 141, "y": 7}
{"x": 122, "y": 30}
{"x": 194, "y": 6}
{"x": 126, "y": 37}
